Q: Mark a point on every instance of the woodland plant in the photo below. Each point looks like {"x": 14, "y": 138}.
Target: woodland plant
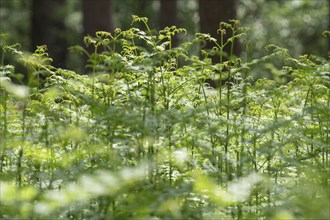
{"x": 144, "y": 136}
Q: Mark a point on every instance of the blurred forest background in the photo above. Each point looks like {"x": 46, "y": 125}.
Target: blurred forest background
{"x": 293, "y": 24}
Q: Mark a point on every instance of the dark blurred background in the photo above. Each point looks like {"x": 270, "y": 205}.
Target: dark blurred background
{"x": 294, "y": 24}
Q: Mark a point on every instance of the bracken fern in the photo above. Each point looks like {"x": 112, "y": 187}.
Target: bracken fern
{"x": 143, "y": 134}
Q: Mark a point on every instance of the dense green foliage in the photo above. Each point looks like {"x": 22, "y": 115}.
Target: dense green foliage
{"x": 143, "y": 136}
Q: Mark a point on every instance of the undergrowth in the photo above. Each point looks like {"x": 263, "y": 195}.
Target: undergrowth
{"x": 144, "y": 136}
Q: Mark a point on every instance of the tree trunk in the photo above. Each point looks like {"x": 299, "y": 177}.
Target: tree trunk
{"x": 60, "y": 43}
{"x": 97, "y": 16}
{"x": 168, "y": 16}
{"x": 168, "y": 13}
{"x": 49, "y": 29}
{"x": 211, "y": 13}
{"x": 142, "y": 7}
{"x": 41, "y": 22}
